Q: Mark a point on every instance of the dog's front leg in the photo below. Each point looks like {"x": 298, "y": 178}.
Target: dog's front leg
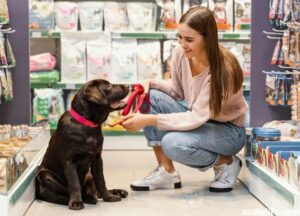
{"x": 74, "y": 188}
{"x": 98, "y": 176}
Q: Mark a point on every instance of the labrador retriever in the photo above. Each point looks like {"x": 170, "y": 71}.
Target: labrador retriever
{"x": 71, "y": 172}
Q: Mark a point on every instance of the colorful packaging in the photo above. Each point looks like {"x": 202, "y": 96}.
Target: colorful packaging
{"x": 42, "y": 62}
{"x": 91, "y": 15}
{"x": 115, "y": 16}
{"x": 41, "y": 14}
{"x": 44, "y": 77}
{"x": 223, "y": 13}
{"x": 66, "y": 16}
{"x": 4, "y": 15}
{"x": 99, "y": 57}
{"x": 242, "y": 14}
{"x": 73, "y": 57}
{"x": 124, "y": 65}
{"x": 149, "y": 63}
{"x": 189, "y": 3}
{"x": 142, "y": 16}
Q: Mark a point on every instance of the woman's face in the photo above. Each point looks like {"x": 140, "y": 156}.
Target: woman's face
{"x": 191, "y": 41}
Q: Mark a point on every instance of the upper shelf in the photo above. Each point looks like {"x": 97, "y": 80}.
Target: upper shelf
{"x": 236, "y": 35}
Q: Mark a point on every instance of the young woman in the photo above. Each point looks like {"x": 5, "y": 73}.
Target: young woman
{"x": 209, "y": 130}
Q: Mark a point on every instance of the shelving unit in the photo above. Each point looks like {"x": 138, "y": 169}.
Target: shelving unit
{"x": 276, "y": 194}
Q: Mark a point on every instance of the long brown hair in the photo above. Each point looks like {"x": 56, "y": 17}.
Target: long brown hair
{"x": 226, "y": 72}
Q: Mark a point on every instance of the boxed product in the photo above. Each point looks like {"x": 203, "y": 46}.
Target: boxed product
{"x": 115, "y": 16}
{"x": 99, "y": 56}
{"x": 282, "y": 161}
{"x": 242, "y": 14}
{"x": 41, "y": 14}
{"x": 66, "y": 16}
{"x": 73, "y": 57}
{"x": 294, "y": 166}
{"x": 124, "y": 63}
{"x": 91, "y": 15}
{"x": 141, "y": 16}
{"x": 223, "y": 13}
{"x": 149, "y": 60}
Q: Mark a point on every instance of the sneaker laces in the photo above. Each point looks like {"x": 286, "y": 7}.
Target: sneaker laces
{"x": 221, "y": 175}
{"x": 156, "y": 172}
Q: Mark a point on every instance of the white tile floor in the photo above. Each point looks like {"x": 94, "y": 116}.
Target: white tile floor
{"x": 194, "y": 199}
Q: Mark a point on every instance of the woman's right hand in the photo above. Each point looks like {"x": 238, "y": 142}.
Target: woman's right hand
{"x": 146, "y": 84}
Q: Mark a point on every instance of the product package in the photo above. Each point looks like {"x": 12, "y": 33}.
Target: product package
{"x": 46, "y": 77}
{"x": 73, "y": 58}
{"x": 115, "y": 16}
{"x": 141, "y": 16}
{"x": 124, "y": 64}
{"x": 168, "y": 48}
{"x": 66, "y": 16}
{"x": 4, "y": 15}
{"x": 70, "y": 98}
{"x": 41, "y": 14}
{"x": 189, "y": 3}
{"x": 48, "y": 104}
{"x": 149, "y": 63}
{"x": 91, "y": 15}
{"x": 223, "y": 13}
{"x": 242, "y": 14}
{"x": 42, "y": 62}
{"x": 99, "y": 57}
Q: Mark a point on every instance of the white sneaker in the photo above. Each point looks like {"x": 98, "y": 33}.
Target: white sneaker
{"x": 158, "y": 179}
{"x": 226, "y": 176}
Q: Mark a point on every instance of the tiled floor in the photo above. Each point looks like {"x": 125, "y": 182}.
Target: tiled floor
{"x": 194, "y": 199}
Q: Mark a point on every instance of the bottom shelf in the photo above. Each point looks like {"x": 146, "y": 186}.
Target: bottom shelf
{"x": 276, "y": 194}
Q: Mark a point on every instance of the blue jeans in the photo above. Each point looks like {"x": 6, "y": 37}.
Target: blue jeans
{"x": 198, "y": 148}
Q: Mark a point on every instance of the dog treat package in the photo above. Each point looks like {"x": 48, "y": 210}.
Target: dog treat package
{"x": 91, "y": 15}
{"x": 42, "y": 62}
{"x": 4, "y": 15}
{"x": 99, "y": 57}
{"x": 41, "y": 14}
{"x": 124, "y": 65}
{"x": 142, "y": 16}
{"x": 9, "y": 85}
{"x": 10, "y": 57}
{"x": 48, "y": 104}
{"x": 189, "y": 3}
{"x": 149, "y": 63}
{"x": 46, "y": 77}
{"x": 168, "y": 48}
{"x": 115, "y": 16}
{"x": 242, "y": 14}
{"x": 66, "y": 16}
{"x": 223, "y": 13}
{"x": 170, "y": 13}
{"x": 73, "y": 57}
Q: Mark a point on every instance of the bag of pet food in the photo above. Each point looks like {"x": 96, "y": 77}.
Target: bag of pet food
{"x": 41, "y": 14}
{"x": 149, "y": 63}
{"x": 141, "y": 16}
{"x": 242, "y": 14}
{"x": 66, "y": 16}
{"x": 124, "y": 66}
{"x": 4, "y": 15}
{"x": 91, "y": 15}
{"x": 190, "y": 3}
{"x": 42, "y": 62}
{"x": 223, "y": 13}
{"x": 73, "y": 57}
{"x": 99, "y": 57}
{"x": 168, "y": 48}
{"x": 115, "y": 16}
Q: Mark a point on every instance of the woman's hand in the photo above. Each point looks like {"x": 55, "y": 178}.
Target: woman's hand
{"x": 136, "y": 121}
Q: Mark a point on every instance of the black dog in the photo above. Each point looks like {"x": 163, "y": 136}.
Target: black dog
{"x": 72, "y": 171}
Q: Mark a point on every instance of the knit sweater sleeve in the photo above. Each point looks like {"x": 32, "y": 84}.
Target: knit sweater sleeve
{"x": 191, "y": 119}
{"x": 172, "y": 87}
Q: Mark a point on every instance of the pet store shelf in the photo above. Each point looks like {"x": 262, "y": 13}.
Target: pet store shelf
{"x": 57, "y": 85}
{"x": 21, "y": 195}
{"x": 240, "y": 35}
{"x": 276, "y": 194}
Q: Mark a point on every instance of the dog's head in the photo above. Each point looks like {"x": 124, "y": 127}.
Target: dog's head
{"x": 102, "y": 93}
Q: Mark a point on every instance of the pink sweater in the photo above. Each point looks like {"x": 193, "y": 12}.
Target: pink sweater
{"x": 195, "y": 91}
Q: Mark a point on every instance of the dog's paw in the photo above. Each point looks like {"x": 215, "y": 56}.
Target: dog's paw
{"x": 119, "y": 192}
{"x": 90, "y": 199}
{"x": 76, "y": 205}
{"x": 112, "y": 198}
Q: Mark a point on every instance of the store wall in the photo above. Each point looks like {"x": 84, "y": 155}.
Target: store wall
{"x": 18, "y": 110}
{"x": 261, "y": 54}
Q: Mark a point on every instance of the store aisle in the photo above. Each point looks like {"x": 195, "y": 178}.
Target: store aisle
{"x": 194, "y": 199}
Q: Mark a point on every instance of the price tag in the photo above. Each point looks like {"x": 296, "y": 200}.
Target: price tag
{"x": 36, "y": 34}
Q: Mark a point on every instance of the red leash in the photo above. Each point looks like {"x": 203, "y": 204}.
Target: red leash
{"x": 138, "y": 93}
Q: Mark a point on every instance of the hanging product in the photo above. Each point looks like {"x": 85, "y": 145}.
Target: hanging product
{"x": 4, "y": 15}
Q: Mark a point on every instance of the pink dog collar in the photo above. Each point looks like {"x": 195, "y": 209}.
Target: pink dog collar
{"x": 81, "y": 119}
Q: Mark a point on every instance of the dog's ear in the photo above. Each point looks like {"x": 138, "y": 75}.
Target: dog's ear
{"x": 95, "y": 95}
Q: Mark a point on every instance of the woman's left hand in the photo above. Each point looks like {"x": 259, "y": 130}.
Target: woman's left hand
{"x": 136, "y": 121}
